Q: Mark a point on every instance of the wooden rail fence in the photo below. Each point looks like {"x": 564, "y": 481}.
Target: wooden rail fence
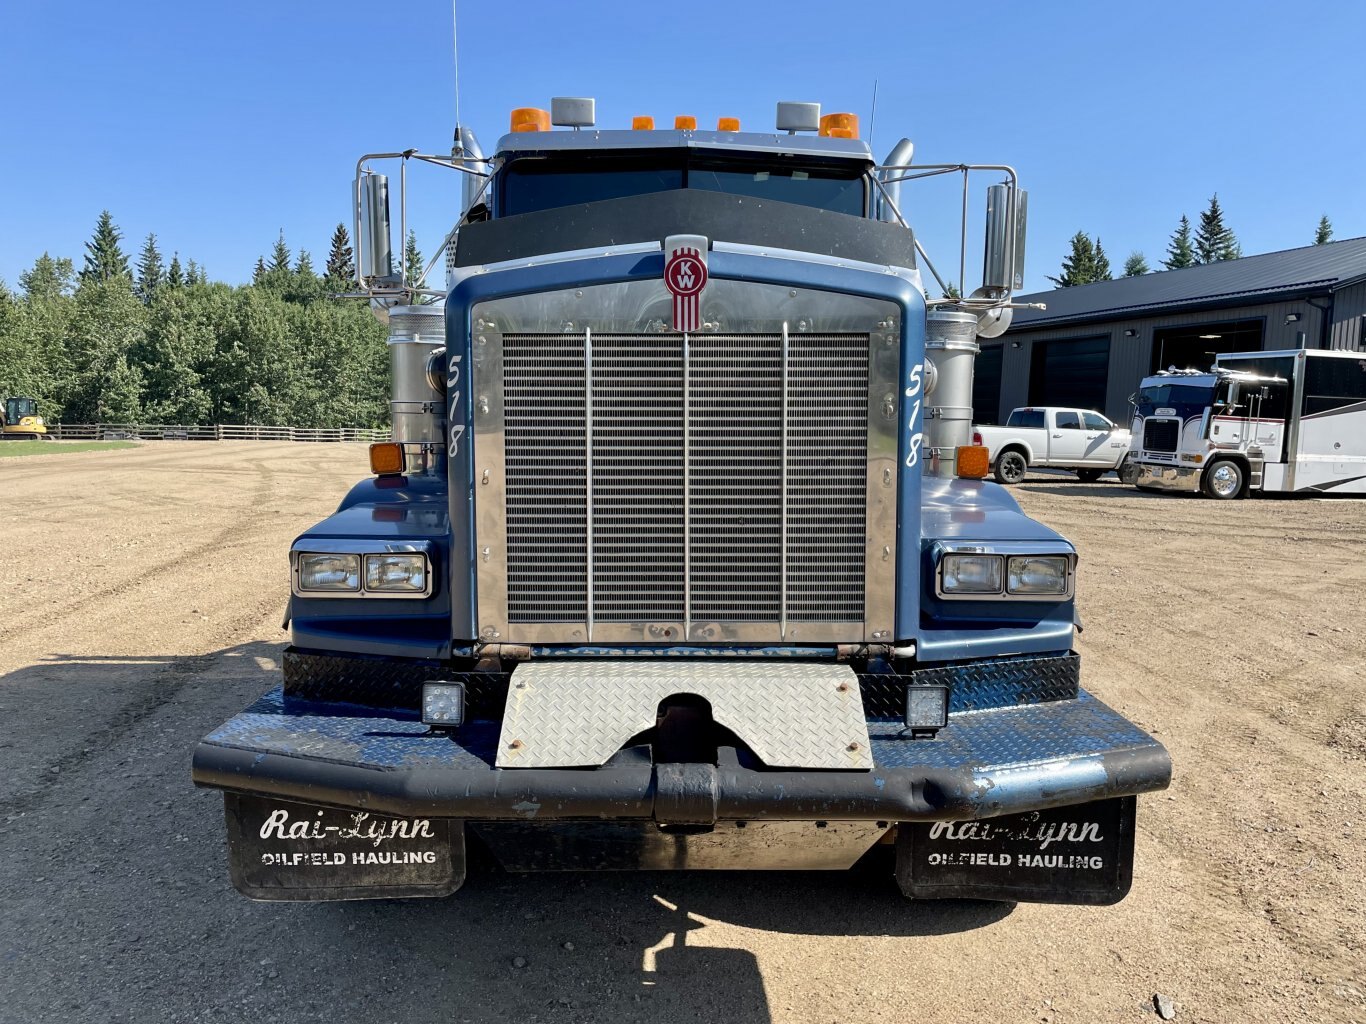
{"x": 216, "y": 432}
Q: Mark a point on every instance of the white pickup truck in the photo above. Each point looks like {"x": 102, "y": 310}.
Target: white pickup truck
{"x": 1057, "y": 438}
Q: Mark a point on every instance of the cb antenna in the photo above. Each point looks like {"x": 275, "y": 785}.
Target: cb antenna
{"x": 872, "y": 118}
{"x": 455, "y": 60}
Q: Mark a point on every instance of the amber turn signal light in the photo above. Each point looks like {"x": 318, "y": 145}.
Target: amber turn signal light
{"x": 839, "y": 126}
{"x": 973, "y": 461}
{"x": 530, "y": 119}
{"x": 386, "y": 458}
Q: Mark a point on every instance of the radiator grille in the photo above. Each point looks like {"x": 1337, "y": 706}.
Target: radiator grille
{"x": 708, "y": 483}
{"x": 1161, "y": 435}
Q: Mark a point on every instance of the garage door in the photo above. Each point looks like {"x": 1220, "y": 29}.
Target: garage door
{"x": 1070, "y": 372}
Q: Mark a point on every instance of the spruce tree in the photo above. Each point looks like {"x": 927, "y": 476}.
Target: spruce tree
{"x": 192, "y": 272}
{"x": 279, "y": 256}
{"x": 1136, "y": 265}
{"x": 413, "y": 256}
{"x": 259, "y": 271}
{"x": 175, "y": 277}
{"x": 304, "y": 266}
{"x": 1324, "y": 234}
{"x": 104, "y": 257}
{"x": 1214, "y": 241}
{"x": 1102, "y": 271}
{"x": 151, "y": 275}
{"x": 1080, "y": 265}
{"x": 339, "y": 265}
{"x": 1180, "y": 251}
{"x": 49, "y": 279}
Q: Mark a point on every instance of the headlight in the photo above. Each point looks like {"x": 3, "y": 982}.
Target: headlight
{"x": 1043, "y": 575}
{"x": 390, "y": 574}
{"x": 971, "y": 574}
{"x": 329, "y": 573}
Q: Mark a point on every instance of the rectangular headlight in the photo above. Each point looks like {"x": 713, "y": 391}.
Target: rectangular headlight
{"x": 1041, "y": 575}
{"x": 329, "y": 573}
{"x": 396, "y": 574}
{"x": 971, "y": 574}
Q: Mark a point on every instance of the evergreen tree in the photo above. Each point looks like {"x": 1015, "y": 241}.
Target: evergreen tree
{"x": 48, "y": 280}
{"x": 150, "y": 272}
{"x": 279, "y": 257}
{"x": 339, "y": 265}
{"x": 259, "y": 272}
{"x": 1214, "y": 241}
{"x": 1136, "y": 265}
{"x": 1102, "y": 272}
{"x": 1180, "y": 251}
{"x": 413, "y": 256}
{"x": 192, "y": 272}
{"x": 104, "y": 257}
{"x": 951, "y": 291}
{"x": 175, "y": 277}
{"x": 1080, "y": 266}
{"x": 1324, "y": 234}
{"x": 304, "y": 266}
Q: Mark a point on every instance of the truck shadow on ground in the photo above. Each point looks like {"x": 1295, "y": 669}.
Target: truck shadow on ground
{"x": 1072, "y": 488}
{"x": 102, "y": 825}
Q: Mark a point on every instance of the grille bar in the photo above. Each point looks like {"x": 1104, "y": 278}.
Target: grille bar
{"x": 702, "y": 481}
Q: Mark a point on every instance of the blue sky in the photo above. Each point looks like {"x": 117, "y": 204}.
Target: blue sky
{"x": 218, "y": 125}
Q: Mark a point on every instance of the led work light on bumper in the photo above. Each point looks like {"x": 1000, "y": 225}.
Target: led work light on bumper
{"x": 980, "y": 575}
{"x": 362, "y": 574}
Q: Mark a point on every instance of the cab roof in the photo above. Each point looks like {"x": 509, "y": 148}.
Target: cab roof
{"x": 517, "y": 144}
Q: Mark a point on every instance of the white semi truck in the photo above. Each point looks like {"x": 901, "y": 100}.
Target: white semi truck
{"x": 1270, "y": 422}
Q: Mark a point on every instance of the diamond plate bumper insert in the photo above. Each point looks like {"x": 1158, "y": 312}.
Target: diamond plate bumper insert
{"x": 577, "y": 715}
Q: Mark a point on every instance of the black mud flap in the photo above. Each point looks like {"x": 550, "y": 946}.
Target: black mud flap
{"x": 280, "y": 850}
{"x": 1078, "y": 854}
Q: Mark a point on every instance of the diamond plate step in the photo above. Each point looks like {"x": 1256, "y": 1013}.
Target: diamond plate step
{"x": 578, "y": 714}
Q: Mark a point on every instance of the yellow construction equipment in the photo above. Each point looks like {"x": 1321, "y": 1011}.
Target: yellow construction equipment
{"x": 19, "y": 421}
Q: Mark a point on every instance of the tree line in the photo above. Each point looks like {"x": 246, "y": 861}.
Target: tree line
{"x": 146, "y": 341}
{"x": 1211, "y": 242}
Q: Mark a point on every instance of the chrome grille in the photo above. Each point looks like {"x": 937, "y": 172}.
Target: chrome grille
{"x": 1161, "y": 435}
{"x": 712, "y": 479}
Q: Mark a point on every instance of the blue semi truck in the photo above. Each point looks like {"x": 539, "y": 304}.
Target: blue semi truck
{"x": 680, "y": 556}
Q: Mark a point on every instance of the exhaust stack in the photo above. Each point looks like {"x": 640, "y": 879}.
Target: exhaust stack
{"x": 417, "y": 349}
{"x": 951, "y": 348}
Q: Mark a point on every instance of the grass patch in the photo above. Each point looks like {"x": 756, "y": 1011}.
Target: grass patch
{"x": 13, "y": 448}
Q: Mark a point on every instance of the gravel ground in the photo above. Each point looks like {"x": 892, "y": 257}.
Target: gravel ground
{"x": 142, "y": 593}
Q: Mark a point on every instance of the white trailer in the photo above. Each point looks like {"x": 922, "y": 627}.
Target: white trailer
{"x": 1272, "y": 422}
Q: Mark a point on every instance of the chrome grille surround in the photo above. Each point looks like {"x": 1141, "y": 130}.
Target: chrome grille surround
{"x": 692, "y": 515}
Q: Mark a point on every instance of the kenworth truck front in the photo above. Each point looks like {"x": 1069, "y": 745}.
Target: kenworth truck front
{"x": 678, "y": 560}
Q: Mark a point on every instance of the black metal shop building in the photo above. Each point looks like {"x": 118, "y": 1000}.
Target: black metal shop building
{"x": 1095, "y": 342}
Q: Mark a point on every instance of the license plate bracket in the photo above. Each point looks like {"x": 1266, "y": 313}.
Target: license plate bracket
{"x": 283, "y": 850}
{"x": 1082, "y": 853}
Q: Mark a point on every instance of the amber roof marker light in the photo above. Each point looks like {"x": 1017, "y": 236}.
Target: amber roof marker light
{"x": 642, "y": 123}
{"x": 839, "y": 126}
{"x": 529, "y": 119}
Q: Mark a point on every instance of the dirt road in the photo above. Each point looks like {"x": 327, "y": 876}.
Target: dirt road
{"x": 141, "y": 594}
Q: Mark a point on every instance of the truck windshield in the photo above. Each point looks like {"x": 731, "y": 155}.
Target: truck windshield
{"x": 544, "y": 183}
{"x": 1175, "y": 394}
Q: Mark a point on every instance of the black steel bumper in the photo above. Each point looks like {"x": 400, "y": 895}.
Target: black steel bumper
{"x": 983, "y": 764}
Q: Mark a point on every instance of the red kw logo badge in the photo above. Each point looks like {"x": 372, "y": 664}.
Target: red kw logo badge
{"x": 685, "y": 275}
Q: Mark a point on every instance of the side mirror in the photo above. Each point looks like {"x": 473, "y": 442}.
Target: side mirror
{"x": 374, "y": 241}
{"x": 1003, "y": 264}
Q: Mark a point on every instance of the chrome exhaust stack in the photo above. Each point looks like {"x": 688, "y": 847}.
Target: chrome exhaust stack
{"x": 950, "y": 351}
{"x": 417, "y": 359}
